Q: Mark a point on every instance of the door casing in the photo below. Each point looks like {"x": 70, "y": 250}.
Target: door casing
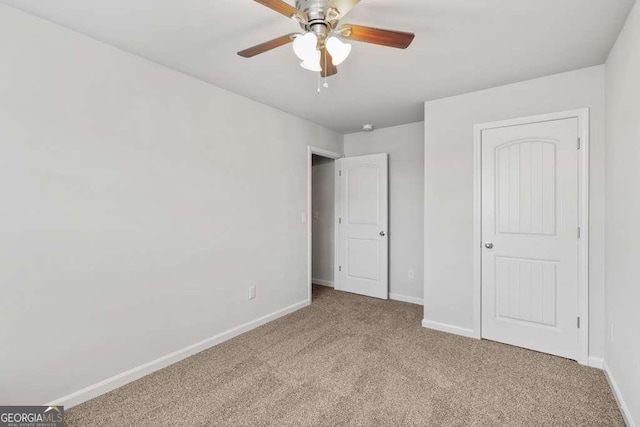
{"x": 583, "y": 205}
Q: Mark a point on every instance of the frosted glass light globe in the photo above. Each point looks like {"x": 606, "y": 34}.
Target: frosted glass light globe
{"x": 306, "y": 46}
{"x": 312, "y": 63}
{"x": 339, "y": 50}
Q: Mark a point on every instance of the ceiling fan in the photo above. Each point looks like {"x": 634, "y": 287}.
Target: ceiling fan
{"x": 320, "y": 46}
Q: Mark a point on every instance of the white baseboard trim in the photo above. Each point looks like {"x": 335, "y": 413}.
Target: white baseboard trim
{"x": 596, "y": 362}
{"x": 443, "y": 327}
{"x": 321, "y": 282}
{"x": 404, "y": 298}
{"x": 126, "y": 377}
{"x": 624, "y": 409}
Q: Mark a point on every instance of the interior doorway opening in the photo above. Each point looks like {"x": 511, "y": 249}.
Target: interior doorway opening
{"x": 322, "y": 220}
{"x": 347, "y": 223}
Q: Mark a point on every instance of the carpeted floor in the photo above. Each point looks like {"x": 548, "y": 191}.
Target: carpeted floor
{"x": 352, "y": 360}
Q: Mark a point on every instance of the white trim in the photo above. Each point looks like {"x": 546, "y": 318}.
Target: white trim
{"x": 596, "y": 362}
{"x": 126, "y": 377}
{"x": 324, "y": 153}
{"x": 337, "y": 206}
{"x": 405, "y": 298}
{"x": 311, "y": 150}
{"x": 583, "y": 245}
{"x": 450, "y": 329}
{"x": 583, "y": 222}
{"x": 321, "y": 282}
{"x": 477, "y": 232}
{"x": 624, "y": 409}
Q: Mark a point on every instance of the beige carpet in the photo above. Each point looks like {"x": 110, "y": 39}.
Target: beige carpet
{"x": 352, "y": 360}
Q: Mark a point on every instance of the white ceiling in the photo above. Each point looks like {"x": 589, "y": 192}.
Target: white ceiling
{"x": 460, "y": 46}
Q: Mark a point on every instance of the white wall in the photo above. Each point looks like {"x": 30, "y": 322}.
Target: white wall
{"x": 405, "y": 145}
{"x": 623, "y": 215}
{"x": 323, "y": 214}
{"x": 138, "y": 206}
{"x": 448, "y": 238}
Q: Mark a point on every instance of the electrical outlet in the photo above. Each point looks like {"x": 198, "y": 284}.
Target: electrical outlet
{"x": 316, "y": 215}
{"x": 252, "y": 292}
{"x": 412, "y": 274}
{"x": 303, "y": 217}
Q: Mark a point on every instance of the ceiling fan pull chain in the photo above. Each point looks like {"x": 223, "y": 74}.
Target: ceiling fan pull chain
{"x": 318, "y": 83}
{"x": 326, "y": 84}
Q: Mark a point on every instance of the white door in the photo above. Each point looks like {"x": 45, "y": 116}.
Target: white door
{"x": 362, "y": 246}
{"x": 530, "y": 236}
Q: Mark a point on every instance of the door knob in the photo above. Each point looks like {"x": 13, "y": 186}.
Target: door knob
{"x": 382, "y": 233}
{"x": 488, "y": 245}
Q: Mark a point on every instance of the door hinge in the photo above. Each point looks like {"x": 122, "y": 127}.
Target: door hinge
{"x": 578, "y": 322}
{"x": 339, "y": 173}
{"x": 579, "y": 232}
{"x": 579, "y": 143}
{"x": 339, "y": 268}
{"x": 340, "y": 220}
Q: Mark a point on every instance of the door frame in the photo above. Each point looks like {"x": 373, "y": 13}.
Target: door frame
{"x": 311, "y": 150}
{"x": 583, "y": 218}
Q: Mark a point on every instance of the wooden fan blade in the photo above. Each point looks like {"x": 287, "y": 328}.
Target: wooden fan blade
{"x": 326, "y": 62}
{"x": 266, "y": 46}
{"x": 378, "y": 36}
{"x": 343, "y": 6}
{"x": 284, "y": 8}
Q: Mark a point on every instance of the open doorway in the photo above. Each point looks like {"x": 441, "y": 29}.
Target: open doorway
{"x": 322, "y": 222}
{"x": 348, "y": 223}
{"x": 321, "y": 214}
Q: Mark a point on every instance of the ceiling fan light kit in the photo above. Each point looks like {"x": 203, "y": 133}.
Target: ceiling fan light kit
{"x": 312, "y": 63}
{"x": 305, "y": 45}
{"x": 320, "y": 47}
{"x": 338, "y": 49}
{"x": 306, "y": 48}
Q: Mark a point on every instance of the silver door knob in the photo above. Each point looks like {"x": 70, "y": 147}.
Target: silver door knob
{"x": 488, "y": 245}
{"x": 382, "y": 233}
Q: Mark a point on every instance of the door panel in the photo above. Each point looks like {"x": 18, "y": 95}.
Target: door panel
{"x": 363, "y": 258}
{"x": 526, "y": 187}
{"x": 362, "y": 247}
{"x": 526, "y": 290}
{"x": 530, "y": 216}
{"x": 363, "y": 204}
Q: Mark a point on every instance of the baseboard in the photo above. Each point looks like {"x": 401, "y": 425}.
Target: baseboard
{"x": 321, "y": 282}
{"x": 126, "y": 377}
{"x": 596, "y": 362}
{"x": 404, "y": 298}
{"x": 624, "y": 409}
{"x": 443, "y": 327}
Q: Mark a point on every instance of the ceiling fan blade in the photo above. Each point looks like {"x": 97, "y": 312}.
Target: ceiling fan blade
{"x": 398, "y": 39}
{"x": 266, "y": 46}
{"x": 343, "y": 6}
{"x": 284, "y": 8}
{"x": 326, "y": 62}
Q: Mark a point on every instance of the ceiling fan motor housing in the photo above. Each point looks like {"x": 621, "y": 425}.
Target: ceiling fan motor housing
{"x": 316, "y": 11}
